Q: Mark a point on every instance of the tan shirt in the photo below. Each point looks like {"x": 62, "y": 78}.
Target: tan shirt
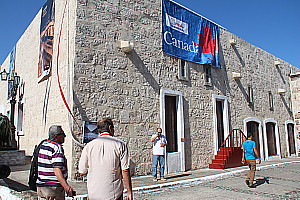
{"x": 103, "y": 159}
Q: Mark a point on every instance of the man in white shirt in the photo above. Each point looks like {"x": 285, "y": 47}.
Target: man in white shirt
{"x": 105, "y": 160}
{"x": 159, "y": 147}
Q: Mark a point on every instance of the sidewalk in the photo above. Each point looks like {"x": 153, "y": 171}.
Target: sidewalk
{"x": 15, "y": 186}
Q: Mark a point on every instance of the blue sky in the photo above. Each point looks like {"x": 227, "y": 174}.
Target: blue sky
{"x": 273, "y": 25}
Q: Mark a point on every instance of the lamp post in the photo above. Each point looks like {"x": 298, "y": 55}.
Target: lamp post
{"x": 14, "y": 81}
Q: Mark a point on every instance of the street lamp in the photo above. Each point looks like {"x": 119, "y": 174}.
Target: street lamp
{"x": 14, "y": 81}
{"x": 3, "y": 75}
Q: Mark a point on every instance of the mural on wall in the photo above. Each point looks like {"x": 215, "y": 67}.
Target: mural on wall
{"x": 11, "y": 71}
{"x": 46, "y": 41}
{"x": 189, "y": 36}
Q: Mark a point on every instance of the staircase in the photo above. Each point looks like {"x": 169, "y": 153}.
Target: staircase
{"x": 230, "y": 153}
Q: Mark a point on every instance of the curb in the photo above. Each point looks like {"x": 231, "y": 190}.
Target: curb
{"x": 206, "y": 178}
{"x": 5, "y": 194}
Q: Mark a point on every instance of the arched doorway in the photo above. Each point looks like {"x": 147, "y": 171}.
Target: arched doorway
{"x": 253, "y": 125}
{"x": 271, "y": 139}
{"x": 253, "y": 128}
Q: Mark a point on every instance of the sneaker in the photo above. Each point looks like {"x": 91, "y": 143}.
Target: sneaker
{"x": 251, "y": 186}
{"x": 247, "y": 182}
{"x": 155, "y": 179}
{"x": 163, "y": 179}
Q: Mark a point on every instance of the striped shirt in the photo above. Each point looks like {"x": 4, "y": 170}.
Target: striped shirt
{"x": 51, "y": 155}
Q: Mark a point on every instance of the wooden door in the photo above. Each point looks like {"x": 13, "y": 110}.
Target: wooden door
{"x": 220, "y": 122}
{"x": 291, "y": 138}
{"x": 271, "y": 140}
{"x": 171, "y": 123}
{"x": 253, "y": 127}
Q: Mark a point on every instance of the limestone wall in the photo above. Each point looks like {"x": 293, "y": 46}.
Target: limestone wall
{"x": 126, "y": 87}
{"x": 43, "y": 105}
{"x": 295, "y": 85}
{"x": 99, "y": 80}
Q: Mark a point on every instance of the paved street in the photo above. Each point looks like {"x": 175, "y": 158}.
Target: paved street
{"x": 281, "y": 182}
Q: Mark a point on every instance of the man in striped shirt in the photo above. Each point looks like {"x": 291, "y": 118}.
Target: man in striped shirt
{"x": 52, "y": 167}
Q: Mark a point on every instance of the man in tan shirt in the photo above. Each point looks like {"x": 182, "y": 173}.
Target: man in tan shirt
{"x": 105, "y": 160}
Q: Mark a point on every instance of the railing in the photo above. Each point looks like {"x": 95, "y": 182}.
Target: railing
{"x": 235, "y": 138}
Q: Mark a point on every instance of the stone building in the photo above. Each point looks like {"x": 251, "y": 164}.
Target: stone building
{"x": 295, "y": 92}
{"x": 198, "y": 104}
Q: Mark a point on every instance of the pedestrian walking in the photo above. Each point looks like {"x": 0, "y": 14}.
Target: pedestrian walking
{"x": 159, "y": 147}
{"x": 105, "y": 161}
{"x": 249, "y": 156}
{"x": 52, "y": 167}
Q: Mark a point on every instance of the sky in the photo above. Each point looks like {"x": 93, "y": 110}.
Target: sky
{"x": 273, "y": 25}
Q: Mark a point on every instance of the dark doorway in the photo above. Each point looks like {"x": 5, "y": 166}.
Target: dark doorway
{"x": 291, "y": 138}
{"x": 171, "y": 123}
{"x": 271, "y": 139}
{"x": 220, "y": 122}
{"x": 253, "y": 128}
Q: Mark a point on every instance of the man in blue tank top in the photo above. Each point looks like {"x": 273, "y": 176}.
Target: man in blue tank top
{"x": 249, "y": 155}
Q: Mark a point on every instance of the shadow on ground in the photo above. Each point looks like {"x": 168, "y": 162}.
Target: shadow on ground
{"x": 178, "y": 175}
{"x": 16, "y": 186}
{"x": 261, "y": 181}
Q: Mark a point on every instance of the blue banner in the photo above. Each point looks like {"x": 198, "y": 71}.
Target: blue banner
{"x": 46, "y": 40}
{"x": 11, "y": 70}
{"x": 189, "y": 36}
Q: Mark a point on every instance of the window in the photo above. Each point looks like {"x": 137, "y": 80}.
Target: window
{"x": 271, "y": 101}
{"x": 183, "y": 70}
{"x": 20, "y": 119}
{"x": 207, "y": 75}
{"x": 250, "y": 96}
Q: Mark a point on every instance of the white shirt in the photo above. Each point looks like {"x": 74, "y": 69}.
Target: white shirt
{"x": 103, "y": 159}
{"x": 157, "y": 149}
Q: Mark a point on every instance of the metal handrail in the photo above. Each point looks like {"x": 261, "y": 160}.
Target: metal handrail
{"x": 234, "y": 139}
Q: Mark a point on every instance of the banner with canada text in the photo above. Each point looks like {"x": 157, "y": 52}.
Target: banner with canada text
{"x": 189, "y": 36}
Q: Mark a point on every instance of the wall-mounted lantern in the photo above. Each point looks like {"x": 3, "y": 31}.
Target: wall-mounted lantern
{"x": 236, "y": 75}
{"x": 281, "y": 91}
{"x": 4, "y": 75}
{"x": 232, "y": 41}
{"x": 276, "y": 63}
{"x": 125, "y": 46}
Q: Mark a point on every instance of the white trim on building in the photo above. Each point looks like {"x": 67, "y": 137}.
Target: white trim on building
{"x": 225, "y": 118}
{"x": 261, "y": 140}
{"x": 174, "y": 156}
{"x": 278, "y": 156}
{"x": 287, "y": 137}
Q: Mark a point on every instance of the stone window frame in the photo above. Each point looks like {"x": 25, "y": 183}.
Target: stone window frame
{"x": 207, "y": 75}
{"x": 183, "y": 70}
{"x": 20, "y": 119}
{"x": 250, "y": 96}
{"x": 271, "y": 101}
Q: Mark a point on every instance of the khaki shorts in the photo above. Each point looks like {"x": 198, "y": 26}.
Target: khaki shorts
{"x": 51, "y": 193}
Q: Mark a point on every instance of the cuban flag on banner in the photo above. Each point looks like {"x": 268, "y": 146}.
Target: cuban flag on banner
{"x": 189, "y": 36}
